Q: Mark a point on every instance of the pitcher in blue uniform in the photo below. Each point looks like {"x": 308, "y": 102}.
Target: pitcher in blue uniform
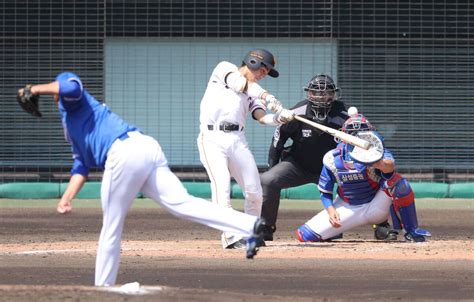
{"x": 365, "y": 193}
{"x": 132, "y": 163}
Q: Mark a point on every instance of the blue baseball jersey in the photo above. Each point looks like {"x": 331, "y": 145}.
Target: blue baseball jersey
{"x": 356, "y": 183}
{"x": 89, "y": 126}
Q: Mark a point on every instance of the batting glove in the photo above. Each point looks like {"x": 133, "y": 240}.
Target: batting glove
{"x": 273, "y": 104}
{"x": 285, "y": 116}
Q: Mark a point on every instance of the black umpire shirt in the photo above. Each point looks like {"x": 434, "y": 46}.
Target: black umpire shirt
{"x": 309, "y": 144}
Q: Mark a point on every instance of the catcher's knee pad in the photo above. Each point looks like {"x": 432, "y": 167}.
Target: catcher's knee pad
{"x": 305, "y": 234}
{"x": 402, "y": 194}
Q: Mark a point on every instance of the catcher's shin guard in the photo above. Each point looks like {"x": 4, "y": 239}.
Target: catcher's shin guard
{"x": 410, "y": 224}
{"x": 397, "y": 223}
{"x": 305, "y": 234}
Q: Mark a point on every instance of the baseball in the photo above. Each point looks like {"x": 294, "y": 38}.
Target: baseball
{"x": 352, "y": 111}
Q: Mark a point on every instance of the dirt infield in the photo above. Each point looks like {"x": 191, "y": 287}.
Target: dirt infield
{"x": 48, "y": 257}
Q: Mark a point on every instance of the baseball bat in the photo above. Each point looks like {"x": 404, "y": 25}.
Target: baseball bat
{"x": 350, "y": 139}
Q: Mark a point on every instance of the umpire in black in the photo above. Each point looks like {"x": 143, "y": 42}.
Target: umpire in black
{"x": 301, "y": 163}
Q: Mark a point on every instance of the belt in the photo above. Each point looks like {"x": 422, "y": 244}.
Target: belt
{"x": 226, "y": 127}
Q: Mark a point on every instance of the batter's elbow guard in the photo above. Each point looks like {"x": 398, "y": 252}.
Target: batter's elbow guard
{"x": 236, "y": 81}
{"x": 305, "y": 234}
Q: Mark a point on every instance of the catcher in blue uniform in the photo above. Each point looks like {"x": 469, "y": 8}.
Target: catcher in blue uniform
{"x": 368, "y": 189}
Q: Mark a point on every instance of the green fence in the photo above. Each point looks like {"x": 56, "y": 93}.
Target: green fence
{"x": 91, "y": 190}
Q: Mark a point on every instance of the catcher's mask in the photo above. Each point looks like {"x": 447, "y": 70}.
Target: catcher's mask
{"x": 258, "y": 57}
{"x": 321, "y": 92}
{"x": 357, "y": 123}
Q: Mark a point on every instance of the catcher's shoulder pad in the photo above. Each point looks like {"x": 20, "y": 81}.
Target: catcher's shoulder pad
{"x": 28, "y": 101}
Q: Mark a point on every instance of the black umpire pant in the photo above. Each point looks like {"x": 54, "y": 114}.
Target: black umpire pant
{"x": 285, "y": 174}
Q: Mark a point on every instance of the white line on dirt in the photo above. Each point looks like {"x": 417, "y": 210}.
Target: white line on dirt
{"x": 40, "y": 252}
{"x": 56, "y": 251}
{"x": 133, "y": 288}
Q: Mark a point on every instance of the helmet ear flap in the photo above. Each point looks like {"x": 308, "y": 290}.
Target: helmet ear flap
{"x": 252, "y": 63}
{"x": 259, "y": 57}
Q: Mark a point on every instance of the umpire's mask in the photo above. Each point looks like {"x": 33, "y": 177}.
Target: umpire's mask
{"x": 321, "y": 92}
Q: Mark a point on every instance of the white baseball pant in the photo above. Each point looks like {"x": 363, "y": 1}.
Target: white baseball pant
{"x": 226, "y": 154}
{"x": 351, "y": 216}
{"x": 138, "y": 164}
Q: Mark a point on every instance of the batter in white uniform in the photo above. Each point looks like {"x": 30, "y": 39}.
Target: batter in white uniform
{"x": 233, "y": 92}
{"x": 132, "y": 162}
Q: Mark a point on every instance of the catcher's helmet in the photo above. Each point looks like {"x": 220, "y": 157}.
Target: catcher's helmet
{"x": 258, "y": 57}
{"x": 357, "y": 123}
{"x": 321, "y": 92}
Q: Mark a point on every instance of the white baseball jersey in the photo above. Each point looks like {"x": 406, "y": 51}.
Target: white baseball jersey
{"x": 222, "y": 104}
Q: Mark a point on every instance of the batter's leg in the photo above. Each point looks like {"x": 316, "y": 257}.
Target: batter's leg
{"x": 213, "y": 154}
{"x": 215, "y": 160}
{"x": 243, "y": 168}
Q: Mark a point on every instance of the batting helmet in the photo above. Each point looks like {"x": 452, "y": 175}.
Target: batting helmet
{"x": 258, "y": 57}
{"x": 357, "y": 123}
{"x": 322, "y": 91}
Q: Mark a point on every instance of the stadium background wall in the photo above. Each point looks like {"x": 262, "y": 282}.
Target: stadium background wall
{"x": 407, "y": 65}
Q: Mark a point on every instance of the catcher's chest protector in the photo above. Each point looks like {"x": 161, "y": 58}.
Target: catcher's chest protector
{"x": 357, "y": 183}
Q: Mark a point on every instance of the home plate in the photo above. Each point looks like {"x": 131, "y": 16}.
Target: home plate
{"x": 132, "y": 288}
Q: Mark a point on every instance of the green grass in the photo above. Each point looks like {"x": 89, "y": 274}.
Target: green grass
{"x": 237, "y": 203}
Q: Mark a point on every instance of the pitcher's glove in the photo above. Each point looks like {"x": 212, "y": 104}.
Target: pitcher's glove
{"x": 28, "y": 101}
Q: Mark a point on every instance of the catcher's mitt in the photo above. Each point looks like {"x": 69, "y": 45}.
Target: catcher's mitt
{"x": 28, "y": 101}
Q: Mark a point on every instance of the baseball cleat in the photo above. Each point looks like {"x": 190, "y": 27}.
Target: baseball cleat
{"x": 268, "y": 232}
{"x": 254, "y": 241}
{"x": 417, "y": 235}
{"x": 241, "y": 244}
{"x": 334, "y": 238}
{"x": 261, "y": 242}
{"x": 412, "y": 237}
